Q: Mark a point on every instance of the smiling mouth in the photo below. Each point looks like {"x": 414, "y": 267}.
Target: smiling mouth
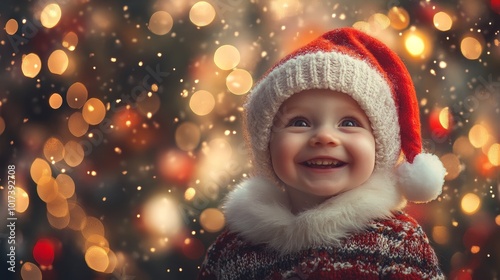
{"x": 323, "y": 163}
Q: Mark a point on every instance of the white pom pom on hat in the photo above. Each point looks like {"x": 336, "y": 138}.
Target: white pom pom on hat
{"x": 350, "y": 61}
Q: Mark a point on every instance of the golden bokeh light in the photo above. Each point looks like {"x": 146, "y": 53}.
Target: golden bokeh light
{"x": 97, "y": 258}
{"x": 187, "y": 136}
{"x": 30, "y": 271}
{"x": 470, "y": 203}
{"x": 50, "y": 15}
{"x": 189, "y": 194}
{"x": 444, "y": 117}
{"x": 22, "y": 200}
{"x": 218, "y": 151}
{"x": 58, "y": 222}
{"x": 66, "y": 185}
{"x": 58, "y": 207}
{"x": 161, "y": 216}
{"x": 285, "y": 8}
{"x": 58, "y": 62}
{"x": 463, "y": 147}
{"x": 70, "y": 41}
{"x": 202, "y": 102}
{"x": 202, "y": 13}
{"x": 379, "y": 21}
{"x": 452, "y": 165}
{"x": 2, "y": 125}
{"x": 39, "y": 168}
{"x": 442, "y": 21}
{"x": 93, "y": 111}
{"x": 471, "y": 48}
{"x": 160, "y": 23}
{"x": 494, "y": 154}
{"x": 77, "y": 124}
{"x": 227, "y": 57}
{"x": 77, "y": 216}
{"x": 77, "y": 95}
{"x": 239, "y": 81}
{"x": 478, "y": 135}
{"x": 55, "y": 101}
{"x": 53, "y": 149}
{"x": 414, "y": 44}
{"x": 47, "y": 189}
{"x": 31, "y": 65}
{"x": 92, "y": 226}
{"x": 97, "y": 240}
{"x": 440, "y": 234}
{"x": 399, "y": 17}
{"x": 113, "y": 262}
{"x": 212, "y": 220}
{"x": 148, "y": 103}
{"x": 74, "y": 153}
{"x": 11, "y": 26}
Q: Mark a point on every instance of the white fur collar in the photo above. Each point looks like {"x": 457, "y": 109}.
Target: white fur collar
{"x": 260, "y": 212}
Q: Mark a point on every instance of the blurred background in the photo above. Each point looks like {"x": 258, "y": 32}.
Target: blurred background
{"x": 120, "y": 121}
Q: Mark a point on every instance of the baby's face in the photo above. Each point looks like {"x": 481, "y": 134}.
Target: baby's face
{"x": 322, "y": 143}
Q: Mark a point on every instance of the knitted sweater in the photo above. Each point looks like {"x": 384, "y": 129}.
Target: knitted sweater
{"x": 360, "y": 234}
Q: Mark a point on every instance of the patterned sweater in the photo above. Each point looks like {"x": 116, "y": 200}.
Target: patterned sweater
{"x": 359, "y": 234}
{"x": 394, "y": 248}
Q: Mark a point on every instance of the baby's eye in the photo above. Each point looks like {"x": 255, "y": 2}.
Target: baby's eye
{"x": 349, "y": 122}
{"x": 298, "y": 122}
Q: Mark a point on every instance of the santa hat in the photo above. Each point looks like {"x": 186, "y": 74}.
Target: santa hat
{"x": 352, "y": 62}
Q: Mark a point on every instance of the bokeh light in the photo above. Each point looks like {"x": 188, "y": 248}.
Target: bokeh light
{"x": 55, "y": 101}
{"x": 212, "y": 220}
{"x": 58, "y": 207}
{"x": 471, "y": 48}
{"x": 53, "y": 149}
{"x": 50, "y": 15}
{"x": 478, "y": 135}
{"x": 93, "y": 111}
{"x": 470, "y": 203}
{"x": 442, "y": 21}
{"x": 187, "y": 136}
{"x": 58, "y": 62}
{"x": 31, "y": 65}
{"x": 202, "y": 102}
{"x": 160, "y": 23}
{"x": 11, "y": 26}
{"x": 97, "y": 258}
{"x": 494, "y": 154}
{"x": 77, "y": 124}
{"x": 148, "y": 103}
{"x": 161, "y": 216}
{"x": 22, "y": 200}
{"x": 452, "y": 165}
{"x": 415, "y": 44}
{"x": 74, "y": 153}
{"x": 440, "y": 235}
{"x": 30, "y": 271}
{"x": 239, "y": 81}
{"x": 70, "y": 41}
{"x": 66, "y": 185}
{"x": 2, "y": 125}
{"x": 202, "y": 13}
{"x": 76, "y": 95}
{"x": 227, "y": 57}
{"x": 40, "y": 168}
{"x": 92, "y": 226}
{"x": 47, "y": 189}
{"x": 176, "y": 166}
{"x": 44, "y": 252}
{"x": 399, "y": 17}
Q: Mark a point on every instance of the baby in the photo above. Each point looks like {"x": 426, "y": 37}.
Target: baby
{"x": 334, "y": 131}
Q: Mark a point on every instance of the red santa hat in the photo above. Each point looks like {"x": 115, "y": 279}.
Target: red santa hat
{"x": 352, "y": 62}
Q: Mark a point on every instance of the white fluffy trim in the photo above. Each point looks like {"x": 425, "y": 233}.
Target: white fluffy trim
{"x": 422, "y": 180}
{"x": 260, "y": 212}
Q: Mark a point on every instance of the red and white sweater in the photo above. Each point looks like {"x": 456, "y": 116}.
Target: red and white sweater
{"x": 359, "y": 234}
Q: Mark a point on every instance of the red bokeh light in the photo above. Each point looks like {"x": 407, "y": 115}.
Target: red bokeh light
{"x": 44, "y": 252}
